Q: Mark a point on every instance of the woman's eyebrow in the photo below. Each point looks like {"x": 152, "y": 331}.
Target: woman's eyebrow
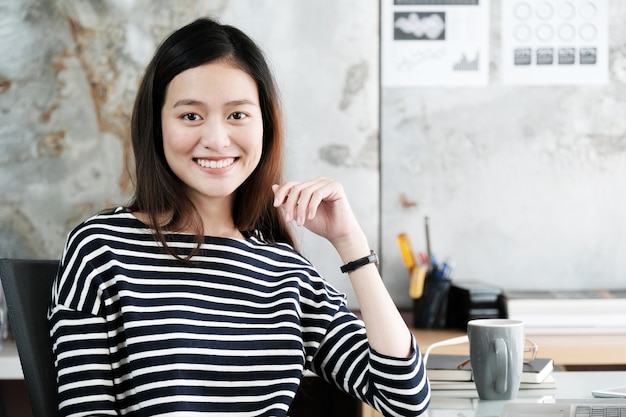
{"x": 193, "y": 102}
{"x": 187, "y": 102}
{"x": 241, "y": 102}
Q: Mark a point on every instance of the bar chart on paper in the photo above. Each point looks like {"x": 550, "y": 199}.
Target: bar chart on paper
{"x": 435, "y": 42}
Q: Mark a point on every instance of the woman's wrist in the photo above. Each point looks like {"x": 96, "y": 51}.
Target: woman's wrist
{"x": 352, "y": 247}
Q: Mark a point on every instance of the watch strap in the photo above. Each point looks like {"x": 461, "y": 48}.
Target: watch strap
{"x": 372, "y": 258}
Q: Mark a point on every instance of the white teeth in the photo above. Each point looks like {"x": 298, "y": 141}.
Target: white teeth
{"x": 216, "y": 164}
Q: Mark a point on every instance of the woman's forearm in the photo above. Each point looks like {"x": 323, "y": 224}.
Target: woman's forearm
{"x": 387, "y": 332}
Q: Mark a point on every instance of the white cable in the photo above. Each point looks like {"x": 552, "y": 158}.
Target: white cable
{"x": 447, "y": 342}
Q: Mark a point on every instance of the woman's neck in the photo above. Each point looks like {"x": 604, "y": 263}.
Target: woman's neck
{"x": 217, "y": 218}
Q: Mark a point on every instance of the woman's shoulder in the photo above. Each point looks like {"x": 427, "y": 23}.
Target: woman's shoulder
{"x": 118, "y": 216}
{"x": 279, "y": 257}
{"x": 285, "y": 257}
{"x": 276, "y": 250}
{"x": 115, "y": 221}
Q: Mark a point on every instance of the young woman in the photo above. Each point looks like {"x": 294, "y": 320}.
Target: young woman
{"x": 193, "y": 300}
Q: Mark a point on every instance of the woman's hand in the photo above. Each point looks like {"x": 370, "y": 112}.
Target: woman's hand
{"x": 321, "y": 206}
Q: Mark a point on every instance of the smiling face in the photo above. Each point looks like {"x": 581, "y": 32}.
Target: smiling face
{"x": 212, "y": 129}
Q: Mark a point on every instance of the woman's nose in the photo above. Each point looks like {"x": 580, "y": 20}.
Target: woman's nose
{"x": 214, "y": 135}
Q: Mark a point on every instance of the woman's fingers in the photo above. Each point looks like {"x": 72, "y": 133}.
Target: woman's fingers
{"x": 300, "y": 200}
{"x": 321, "y": 191}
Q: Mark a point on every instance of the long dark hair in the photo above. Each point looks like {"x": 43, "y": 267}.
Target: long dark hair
{"x": 158, "y": 192}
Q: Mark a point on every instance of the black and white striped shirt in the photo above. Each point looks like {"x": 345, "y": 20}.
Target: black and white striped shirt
{"x": 136, "y": 332}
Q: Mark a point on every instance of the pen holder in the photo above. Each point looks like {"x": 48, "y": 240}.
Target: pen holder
{"x": 429, "y": 309}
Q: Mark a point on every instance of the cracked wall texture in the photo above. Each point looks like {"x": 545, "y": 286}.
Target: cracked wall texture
{"x": 524, "y": 186}
{"x": 68, "y": 76}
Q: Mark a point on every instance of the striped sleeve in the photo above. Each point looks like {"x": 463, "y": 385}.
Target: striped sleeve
{"x": 80, "y": 332}
{"x": 393, "y": 386}
{"x": 82, "y": 359}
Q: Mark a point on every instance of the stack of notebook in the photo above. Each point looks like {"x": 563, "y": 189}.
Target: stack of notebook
{"x": 444, "y": 375}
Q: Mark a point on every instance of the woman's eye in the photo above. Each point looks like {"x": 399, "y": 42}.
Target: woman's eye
{"x": 237, "y": 115}
{"x": 191, "y": 117}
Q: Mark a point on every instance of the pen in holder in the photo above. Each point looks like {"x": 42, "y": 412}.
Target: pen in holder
{"x": 428, "y": 284}
{"x": 429, "y": 309}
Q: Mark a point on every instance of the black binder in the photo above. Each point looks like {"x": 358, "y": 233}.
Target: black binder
{"x": 474, "y": 300}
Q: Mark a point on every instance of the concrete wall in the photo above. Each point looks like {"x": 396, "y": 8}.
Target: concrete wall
{"x": 68, "y": 76}
{"x": 524, "y": 186}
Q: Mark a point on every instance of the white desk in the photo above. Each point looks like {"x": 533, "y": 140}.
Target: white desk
{"x": 570, "y": 385}
{"x": 10, "y": 367}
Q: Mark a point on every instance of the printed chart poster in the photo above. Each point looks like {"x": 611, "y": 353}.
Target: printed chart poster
{"x": 434, "y": 43}
{"x": 555, "y": 42}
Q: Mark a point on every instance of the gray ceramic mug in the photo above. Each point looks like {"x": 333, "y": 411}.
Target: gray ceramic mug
{"x": 497, "y": 357}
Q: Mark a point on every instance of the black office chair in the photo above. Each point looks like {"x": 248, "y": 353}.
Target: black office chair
{"x": 27, "y": 286}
